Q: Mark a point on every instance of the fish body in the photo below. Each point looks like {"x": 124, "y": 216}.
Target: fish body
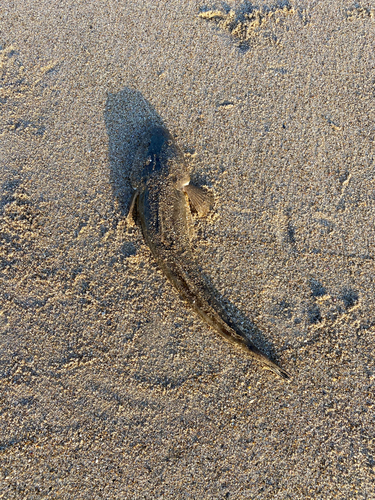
{"x": 161, "y": 182}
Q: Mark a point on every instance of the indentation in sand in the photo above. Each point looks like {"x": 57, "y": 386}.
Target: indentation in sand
{"x": 247, "y": 22}
{"x": 359, "y": 12}
{"x": 20, "y": 85}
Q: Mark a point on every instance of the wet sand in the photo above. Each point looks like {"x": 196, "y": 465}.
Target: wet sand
{"x": 111, "y": 387}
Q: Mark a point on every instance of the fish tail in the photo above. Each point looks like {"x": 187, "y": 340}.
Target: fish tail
{"x": 240, "y": 339}
{"x": 278, "y": 371}
{"x": 267, "y": 363}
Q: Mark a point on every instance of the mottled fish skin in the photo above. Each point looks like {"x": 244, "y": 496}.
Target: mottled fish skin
{"x": 159, "y": 176}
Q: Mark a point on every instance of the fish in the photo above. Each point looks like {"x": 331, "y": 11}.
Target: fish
{"x": 161, "y": 204}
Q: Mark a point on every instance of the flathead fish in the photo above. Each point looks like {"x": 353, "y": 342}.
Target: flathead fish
{"x": 161, "y": 205}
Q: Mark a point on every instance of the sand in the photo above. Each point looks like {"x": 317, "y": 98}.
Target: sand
{"x": 110, "y": 386}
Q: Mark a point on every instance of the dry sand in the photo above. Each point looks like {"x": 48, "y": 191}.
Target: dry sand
{"x": 110, "y": 386}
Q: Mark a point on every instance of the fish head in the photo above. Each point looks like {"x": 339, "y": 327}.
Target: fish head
{"x": 158, "y": 158}
{"x": 152, "y": 143}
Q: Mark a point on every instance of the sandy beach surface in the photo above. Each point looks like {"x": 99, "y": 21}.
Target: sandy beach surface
{"x": 111, "y": 387}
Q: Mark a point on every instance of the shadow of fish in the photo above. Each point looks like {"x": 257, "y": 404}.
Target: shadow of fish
{"x": 160, "y": 202}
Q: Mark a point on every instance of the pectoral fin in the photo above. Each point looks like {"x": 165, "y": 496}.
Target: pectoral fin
{"x": 130, "y": 217}
{"x": 201, "y": 200}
